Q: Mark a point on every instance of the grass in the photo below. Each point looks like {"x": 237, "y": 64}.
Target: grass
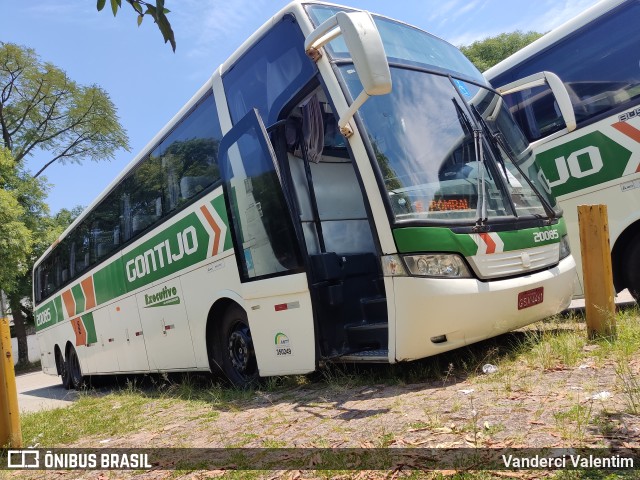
{"x": 522, "y": 357}
{"x": 22, "y": 368}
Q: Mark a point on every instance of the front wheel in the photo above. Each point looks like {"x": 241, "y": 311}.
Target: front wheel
{"x": 238, "y": 356}
{"x": 632, "y": 274}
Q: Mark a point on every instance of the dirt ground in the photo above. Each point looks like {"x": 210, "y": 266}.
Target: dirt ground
{"x": 583, "y": 405}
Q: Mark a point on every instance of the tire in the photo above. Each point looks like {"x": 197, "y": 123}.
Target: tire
{"x": 239, "y": 362}
{"x": 632, "y": 273}
{"x": 75, "y": 372}
{"x": 64, "y": 372}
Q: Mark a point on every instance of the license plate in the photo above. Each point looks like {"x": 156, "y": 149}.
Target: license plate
{"x": 530, "y": 298}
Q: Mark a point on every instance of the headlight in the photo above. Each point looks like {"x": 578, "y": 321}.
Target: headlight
{"x": 565, "y": 249}
{"x": 437, "y": 265}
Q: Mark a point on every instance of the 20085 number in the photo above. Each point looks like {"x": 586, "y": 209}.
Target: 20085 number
{"x": 546, "y": 235}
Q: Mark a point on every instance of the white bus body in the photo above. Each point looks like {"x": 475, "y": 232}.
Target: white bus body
{"x": 224, "y": 246}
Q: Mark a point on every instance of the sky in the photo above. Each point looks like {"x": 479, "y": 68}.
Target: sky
{"x": 148, "y": 83}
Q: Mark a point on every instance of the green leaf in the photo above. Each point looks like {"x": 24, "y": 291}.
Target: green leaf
{"x": 165, "y": 28}
{"x": 140, "y": 18}
{"x": 151, "y": 10}
{"x": 114, "y": 7}
{"x": 136, "y": 6}
{"x": 101, "y": 4}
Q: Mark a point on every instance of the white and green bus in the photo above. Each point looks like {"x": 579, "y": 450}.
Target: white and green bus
{"x": 335, "y": 192}
{"x": 596, "y": 56}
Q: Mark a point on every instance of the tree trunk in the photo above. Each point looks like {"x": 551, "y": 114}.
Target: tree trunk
{"x": 19, "y": 328}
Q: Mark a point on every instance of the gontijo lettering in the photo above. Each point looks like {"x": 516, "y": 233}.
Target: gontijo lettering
{"x": 161, "y": 255}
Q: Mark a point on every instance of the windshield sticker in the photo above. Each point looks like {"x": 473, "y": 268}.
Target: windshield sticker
{"x": 462, "y": 87}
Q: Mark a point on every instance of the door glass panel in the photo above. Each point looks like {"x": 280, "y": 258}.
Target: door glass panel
{"x": 265, "y": 239}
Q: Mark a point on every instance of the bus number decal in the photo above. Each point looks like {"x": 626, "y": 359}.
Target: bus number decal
{"x": 283, "y": 345}
{"x": 545, "y": 236}
{"x": 43, "y": 317}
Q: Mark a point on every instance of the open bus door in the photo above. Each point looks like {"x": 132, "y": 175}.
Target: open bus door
{"x": 274, "y": 283}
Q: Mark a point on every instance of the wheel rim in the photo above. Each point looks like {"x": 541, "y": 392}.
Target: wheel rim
{"x": 74, "y": 367}
{"x": 241, "y": 351}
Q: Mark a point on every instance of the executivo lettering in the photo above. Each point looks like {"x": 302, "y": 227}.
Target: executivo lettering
{"x": 161, "y": 255}
{"x": 166, "y": 296}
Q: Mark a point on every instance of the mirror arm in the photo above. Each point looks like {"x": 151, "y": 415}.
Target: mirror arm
{"x": 326, "y": 31}
{"x": 343, "y": 123}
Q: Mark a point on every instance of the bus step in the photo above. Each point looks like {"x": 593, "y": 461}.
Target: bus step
{"x": 364, "y": 335}
{"x": 374, "y": 309}
{"x": 366, "y": 356}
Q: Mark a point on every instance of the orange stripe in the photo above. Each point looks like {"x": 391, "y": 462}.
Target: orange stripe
{"x": 216, "y": 229}
{"x": 89, "y": 294}
{"x": 69, "y": 302}
{"x": 628, "y": 130}
{"x": 491, "y": 245}
{"x": 80, "y": 331}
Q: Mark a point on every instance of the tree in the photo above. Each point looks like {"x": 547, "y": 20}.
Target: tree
{"x": 488, "y": 52}
{"x": 157, "y": 12}
{"x": 23, "y": 236}
{"x": 15, "y": 238}
{"x": 41, "y": 108}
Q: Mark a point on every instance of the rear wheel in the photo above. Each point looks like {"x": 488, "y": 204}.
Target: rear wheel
{"x": 238, "y": 356}
{"x": 63, "y": 368}
{"x": 632, "y": 273}
{"x": 75, "y": 372}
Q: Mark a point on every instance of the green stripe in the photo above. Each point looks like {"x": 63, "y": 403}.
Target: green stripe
{"x": 112, "y": 280}
{"x": 150, "y": 261}
{"x": 433, "y": 239}
{"x": 569, "y": 167}
{"x": 78, "y": 296}
{"x": 90, "y": 327}
{"x": 49, "y": 314}
{"x": 220, "y": 207}
{"x": 437, "y": 239}
{"x": 521, "y": 239}
{"x": 109, "y": 282}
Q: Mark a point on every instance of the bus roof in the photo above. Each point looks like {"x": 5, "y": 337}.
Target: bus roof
{"x": 296, "y": 7}
{"x": 553, "y": 36}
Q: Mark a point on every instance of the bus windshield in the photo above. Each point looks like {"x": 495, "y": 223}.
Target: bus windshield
{"x": 447, "y": 148}
{"x": 422, "y": 135}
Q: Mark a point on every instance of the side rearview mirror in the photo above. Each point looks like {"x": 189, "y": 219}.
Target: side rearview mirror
{"x": 367, "y": 52}
{"x": 558, "y": 90}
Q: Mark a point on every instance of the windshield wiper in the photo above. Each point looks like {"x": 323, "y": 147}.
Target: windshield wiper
{"x": 498, "y": 140}
{"x": 469, "y": 128}
{"x": 481, "y": 210}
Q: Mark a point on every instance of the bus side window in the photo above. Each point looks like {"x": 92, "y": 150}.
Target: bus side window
{"x": 268, "y": 75}
{"x": 189, "y": 155}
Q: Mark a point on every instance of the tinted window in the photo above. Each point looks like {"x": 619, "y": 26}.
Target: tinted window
{"x": 178, "y": 170}
{"x": 599, "y": 64}
{"x": 189, "y": 155}
{"x": 267, "y": 76}
{"x": 183, "y": 166}
{"x": 259, "y": 212}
